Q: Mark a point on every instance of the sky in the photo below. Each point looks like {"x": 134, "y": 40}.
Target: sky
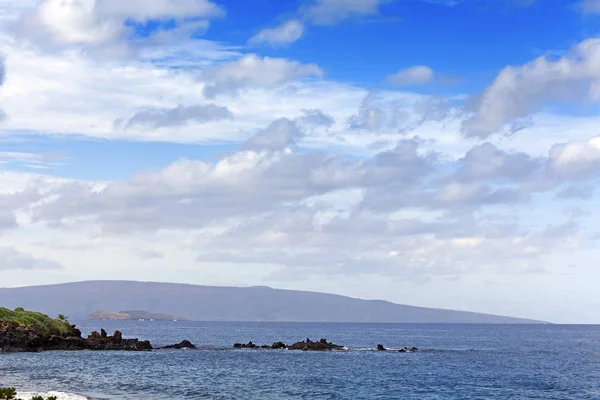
{"x": 439, "y": 153}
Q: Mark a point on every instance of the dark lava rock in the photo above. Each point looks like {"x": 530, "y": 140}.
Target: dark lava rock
{"x": 278, "y": 345}
{"x": 101, "y": 341}
{"x": 248, "y": 345}
{"x": 381, "y": 348}
{"x": 186, "y": 344}
{"x": 407, "y": 350}
{"x": 16, "y": 338}
{"x": 321, "y": 345}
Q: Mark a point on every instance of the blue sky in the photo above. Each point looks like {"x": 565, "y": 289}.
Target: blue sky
{"x": 435, "y": 153}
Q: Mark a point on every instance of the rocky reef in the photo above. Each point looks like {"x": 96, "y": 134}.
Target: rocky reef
{"x": 402, "y": 350}
{"x": 308, "y": 345}
{"x": 16, "y": 338}
{"x": 186, "y": 344}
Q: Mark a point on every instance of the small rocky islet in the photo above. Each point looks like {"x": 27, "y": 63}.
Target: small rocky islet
{"x": 309, "y": 345}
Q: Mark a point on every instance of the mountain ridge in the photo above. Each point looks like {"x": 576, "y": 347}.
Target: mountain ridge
{"x": 226, "y": 303}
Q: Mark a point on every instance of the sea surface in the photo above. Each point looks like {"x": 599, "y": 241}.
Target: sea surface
{"x": 455, "y": 362}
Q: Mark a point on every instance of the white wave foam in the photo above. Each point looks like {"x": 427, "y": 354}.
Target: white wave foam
{"x": 59, "y": 395}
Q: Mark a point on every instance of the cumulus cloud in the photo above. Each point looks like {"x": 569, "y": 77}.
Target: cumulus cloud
{"x": 575, "y": 160}
{"x": 282, "y": 35}
{"x": 276, "y": 137}
{"x": 416, "y": 75}
{"x": 252, "y": 71}
{"x": 155, "y": 118}
{"x": 12, "y": 259}
{"x": 329, "y": 12}
{"x": 405, "y": 211}
{"x": 487, "y": 162}
{"x": 519, "y": 91}
{"x": 262, "y": 175}
{"x": 103, "y": 22}
{"x": 399, "y": 113}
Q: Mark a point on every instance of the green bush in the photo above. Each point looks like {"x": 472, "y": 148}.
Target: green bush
{"x": 11, "y": 394}
{"x": 59, "y": 326}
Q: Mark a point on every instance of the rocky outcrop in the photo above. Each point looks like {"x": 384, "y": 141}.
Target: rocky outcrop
{"x": 186, "y": 344}
{"x": 308, "y": 345}
{"x": 248, "y": 345}
{"x": 381, "y": 348}
{"x": 321, "y": 345}
{"x": 17, "y": 338}
{"x": 101, "y": 341}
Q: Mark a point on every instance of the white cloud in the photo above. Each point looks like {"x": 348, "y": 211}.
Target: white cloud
{"x": 486, "y": 161}
{"x": 520, "y": 91}
{"x": 329, "y": 12}
{"x": 142, "y": 10}
{"x": 416, "y": 75}
{"x": 12, "y": 259}
{"x": 576, "y": 159}
{"x": 98, "y": 23}
{"x": 276, "y": 137}
{"x": 283, "y": 35}
{"x": 591, "y": 6}
{"x": 253, "y": 71}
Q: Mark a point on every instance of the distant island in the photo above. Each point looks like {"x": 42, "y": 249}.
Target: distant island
{"x": 134, "y": 315}
{"x": 213, "y": 303}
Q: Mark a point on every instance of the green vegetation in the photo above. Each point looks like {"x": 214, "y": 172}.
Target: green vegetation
{"x": 46, "y": 324}
{"x": 11, "y": 394}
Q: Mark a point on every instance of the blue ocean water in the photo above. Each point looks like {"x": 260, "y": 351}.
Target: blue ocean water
{"x": 456, "y": 362}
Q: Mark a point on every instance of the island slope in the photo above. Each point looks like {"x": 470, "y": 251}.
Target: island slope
{"x": 134, "y": 315}
{"x": 209, "y": 303}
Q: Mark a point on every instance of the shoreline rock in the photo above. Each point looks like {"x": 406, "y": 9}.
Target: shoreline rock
{"x": 15, "y": 338}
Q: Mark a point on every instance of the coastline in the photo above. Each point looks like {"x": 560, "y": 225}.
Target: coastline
{"x": 58, "y": 395}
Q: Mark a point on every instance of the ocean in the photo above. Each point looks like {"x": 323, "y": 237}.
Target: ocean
{"x": 454, "y": 362}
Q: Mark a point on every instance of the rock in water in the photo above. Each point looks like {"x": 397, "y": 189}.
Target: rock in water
{"x": 407, "y": 350}
{"x": 248, "y": 345}
{"x": 101, "y": 341}
{"x": 381, "y": 348}
{"x": 186, "y": 344}
{"x": 321, "y": 345}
